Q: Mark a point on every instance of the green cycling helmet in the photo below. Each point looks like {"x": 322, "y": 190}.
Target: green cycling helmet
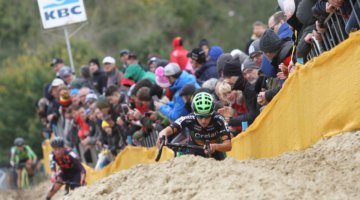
{"x": 203, "y": 103}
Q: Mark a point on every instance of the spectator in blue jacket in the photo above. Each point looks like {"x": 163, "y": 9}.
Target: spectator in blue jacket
{"x": 277, "y": 23}
{"x": 178, "y": 79}
{"x": 205, "y": 69}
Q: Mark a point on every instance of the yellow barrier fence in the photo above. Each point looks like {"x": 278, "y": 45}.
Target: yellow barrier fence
{"x": 129, "y": 157}
{"x": 46, "y": 152}
{"x": 320, "y": 100}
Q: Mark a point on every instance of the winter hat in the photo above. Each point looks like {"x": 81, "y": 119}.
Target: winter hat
{"x": 215, "y": 52}
{"x": 95, "y": 61}
{"x": 210, "y": 84}
{"x": 171, "y": 69}
{"x": 74, "y": 92}
{"x": 248, "y": 64}
{"x": 254, "y": 48}
{"x": 153, "y": 60}
{"x": 198, "y": 55}
{"x": 105, "y": 124}
{"x": 203, "y": 42}
{"x": 236, "y": 53}
{"x": 270, "y": 42}
{"x": 127, "y": 82}
{"x": 102, "y": 102}
{"x": 162, "y": 62}
{"x": 232, "y": 68}
{"x": 177, "y": 41}
{"x": 188, "y": 89}
{"x": 85, "y": 71}
{"x": 132, "y": 55}
{"x": 222, "y": 60}
{"x": 77, "y": 83}
{"x": 124, "y": 52}
{"x": 64, "y": 72}
{"x": 160, "y": 79}
{"x": 91, "y": 97}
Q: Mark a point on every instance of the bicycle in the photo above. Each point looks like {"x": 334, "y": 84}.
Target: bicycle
{"x": 24, "y": 177}
{"x": 177, "y": 147}
{"x": 68, "y": 185}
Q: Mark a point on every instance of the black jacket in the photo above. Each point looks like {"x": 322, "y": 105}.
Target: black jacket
{"x": 99, "y": 80}
{"x": 252, "y": 106}
{"x": 285, "y": 51}
{"x": 250, "y": 96}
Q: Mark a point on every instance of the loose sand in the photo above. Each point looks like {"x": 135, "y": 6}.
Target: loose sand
{"x": 328, "y": 170}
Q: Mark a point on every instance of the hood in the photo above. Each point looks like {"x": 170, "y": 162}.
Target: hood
{"x": 185, "y": 78}
{"x": 209, "y": 63}
{"x": 134, "y": 72}
{"x": 177, "y": 42}
{"x": 285, "y": 51}
{"x": 285, "y": 31}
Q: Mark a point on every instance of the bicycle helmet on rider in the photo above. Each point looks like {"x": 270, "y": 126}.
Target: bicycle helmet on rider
{"x": 19, "y": 141}
{"x": 57, "y": 142}
{"x": 203, "y": 104}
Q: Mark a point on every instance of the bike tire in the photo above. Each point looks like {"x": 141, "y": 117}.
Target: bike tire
{"x": 24, "y": 179}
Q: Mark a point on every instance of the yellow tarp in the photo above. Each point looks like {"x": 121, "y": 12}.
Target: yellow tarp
{"x": 129, "y": 157}
{"x": 321, "y": 99}
{"x": 46, "y": 152}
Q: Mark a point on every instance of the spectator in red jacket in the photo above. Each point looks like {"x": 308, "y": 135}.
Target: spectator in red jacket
{"x": 178, "y": 54}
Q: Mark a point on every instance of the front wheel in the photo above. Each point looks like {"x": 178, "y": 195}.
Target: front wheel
{"x": 24, "y": 179}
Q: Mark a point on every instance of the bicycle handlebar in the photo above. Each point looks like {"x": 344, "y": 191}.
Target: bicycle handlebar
{"x": 184, "y": 146}
{"x": 177, "y": 147}
{"x": 162, "y": 143}
{"x": 68, "y": 183}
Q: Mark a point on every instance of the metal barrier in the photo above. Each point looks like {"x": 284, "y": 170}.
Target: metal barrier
{"x": 149, "y": 140}
{"x": 335, "y": 31}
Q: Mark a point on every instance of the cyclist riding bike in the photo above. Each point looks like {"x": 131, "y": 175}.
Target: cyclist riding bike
{"x": 204, "y": 124}
{"x": 71, "y": 172}
{"x": 22, "y": 156}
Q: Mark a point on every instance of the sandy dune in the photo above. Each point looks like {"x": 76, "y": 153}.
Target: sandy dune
{"x": 328, "y": 170}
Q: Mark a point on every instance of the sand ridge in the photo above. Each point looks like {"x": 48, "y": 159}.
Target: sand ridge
{"x": 328, "y": 170}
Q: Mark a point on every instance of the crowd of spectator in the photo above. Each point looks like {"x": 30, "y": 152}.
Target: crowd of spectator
{"x": 111, "y": 104}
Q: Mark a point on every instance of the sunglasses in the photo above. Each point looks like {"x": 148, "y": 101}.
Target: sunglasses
{"x": 203, "y": 116}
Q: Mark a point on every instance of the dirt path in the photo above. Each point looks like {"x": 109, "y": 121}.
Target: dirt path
{"x": 328, "y": 170}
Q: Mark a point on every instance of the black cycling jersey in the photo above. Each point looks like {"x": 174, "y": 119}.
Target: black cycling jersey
{"x": 216, "y": 132}
{"x": 68, "y": 163}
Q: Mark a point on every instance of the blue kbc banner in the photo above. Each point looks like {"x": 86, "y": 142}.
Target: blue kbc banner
{"x": 56, "y": 13}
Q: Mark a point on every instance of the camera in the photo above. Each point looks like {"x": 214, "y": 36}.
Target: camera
{"x": 148, "y": 114}
{"x": 125, "y": 108}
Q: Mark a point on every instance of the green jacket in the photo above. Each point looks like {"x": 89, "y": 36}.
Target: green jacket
{"x": 17, "y": 156}
{"x": 136, "y": 73}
